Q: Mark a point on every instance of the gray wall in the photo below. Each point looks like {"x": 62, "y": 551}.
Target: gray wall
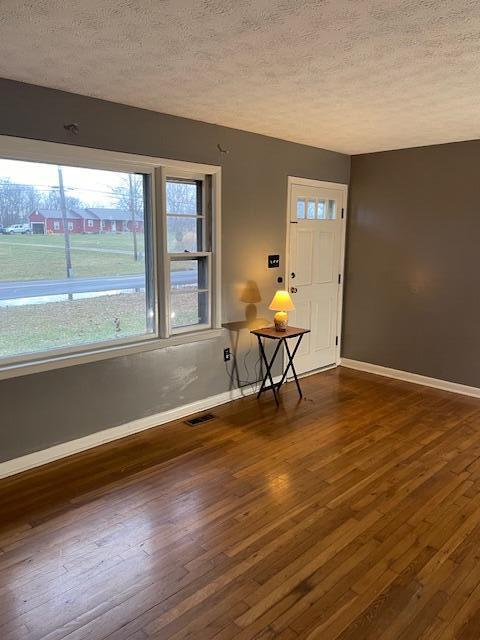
{"x": 412, "y": 288}
{"x": 44, "y": 409}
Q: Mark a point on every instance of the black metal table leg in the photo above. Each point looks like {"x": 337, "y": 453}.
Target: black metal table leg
{"x": 268, "y": 365}
{"x": 290, "y": 365}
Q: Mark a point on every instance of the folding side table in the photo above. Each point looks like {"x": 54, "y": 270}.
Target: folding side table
{"x": 270, "y": 333}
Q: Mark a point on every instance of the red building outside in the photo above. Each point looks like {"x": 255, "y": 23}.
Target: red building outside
{"x": 47, "y": 221}
{"x": 95, "y": 220}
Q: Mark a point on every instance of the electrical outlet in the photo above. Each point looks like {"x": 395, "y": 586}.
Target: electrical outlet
{"x": 226, "y": 354}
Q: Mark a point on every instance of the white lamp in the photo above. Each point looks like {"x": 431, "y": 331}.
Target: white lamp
{"x": 281, "y": 303}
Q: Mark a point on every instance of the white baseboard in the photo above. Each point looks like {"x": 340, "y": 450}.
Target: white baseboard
{"x": 416, "y": 378}
{"x": 38, "y": 458}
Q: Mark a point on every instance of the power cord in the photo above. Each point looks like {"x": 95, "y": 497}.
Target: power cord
{"x": 236, "y": 380}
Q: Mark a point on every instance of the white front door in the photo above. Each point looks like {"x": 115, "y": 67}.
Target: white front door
{"x": 315, "y": 269}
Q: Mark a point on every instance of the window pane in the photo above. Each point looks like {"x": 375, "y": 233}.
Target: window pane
{"x": 300, "y": 208}
{"x": 188, "y": 289}
{"x": 311, "y": 210}
{"x": 184, "y": 275}
{"x": 183, "y": 234}
{"x": 183, "y": 197}
{"x": 321, "y": 209}
{"x": 331, "y": 210}
{"x": 189, "y": 308}
{"x": 72, "y": 255}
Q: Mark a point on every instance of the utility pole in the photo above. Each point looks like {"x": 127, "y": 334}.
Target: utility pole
{"x": 66, "y": 234}
{"x": 132, "y": 202}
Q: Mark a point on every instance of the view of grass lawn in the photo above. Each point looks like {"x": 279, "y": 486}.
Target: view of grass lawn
{"x": 41, "y": 327}
{"x": 40, "y": 257}
{"x": 30, "y": 328}
{"x": 43, "y": 257}
{"x": 120, "y": 241}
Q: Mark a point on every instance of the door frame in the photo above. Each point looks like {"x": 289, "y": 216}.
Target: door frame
{"x": 307, "y": 182}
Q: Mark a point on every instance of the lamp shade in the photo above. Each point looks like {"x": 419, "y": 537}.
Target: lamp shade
{"x": 282, "y": 302}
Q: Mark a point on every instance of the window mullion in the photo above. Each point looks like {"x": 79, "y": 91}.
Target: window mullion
{"x": 189, "y": 255}
{"x": 209, "y": 290}
{"x": 150, "y": 252}
{"x": 213, "y": 208}
{"x": 163, "y": 264}
{"x": 185, "y": 215}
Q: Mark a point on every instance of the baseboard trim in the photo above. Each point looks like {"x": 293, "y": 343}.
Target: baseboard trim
{"x": 314, "y": 372}
{"x": 406, "y": 376}
{"x": 39, "y": 458}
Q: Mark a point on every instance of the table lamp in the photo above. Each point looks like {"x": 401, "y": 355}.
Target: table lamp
{"x": 281, "y": 303}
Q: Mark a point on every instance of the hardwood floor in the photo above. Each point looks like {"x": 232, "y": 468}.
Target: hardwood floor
{"x": 353, "y": 514}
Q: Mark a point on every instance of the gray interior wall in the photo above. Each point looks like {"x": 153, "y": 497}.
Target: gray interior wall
{"x": 411, "y": 299}
{"x": 40, "y": 410}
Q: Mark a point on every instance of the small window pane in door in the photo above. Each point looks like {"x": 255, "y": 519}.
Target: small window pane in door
{"x": 300, "y": 209}
{"x": 321, "y": 209}
{"x": 331, "y": 210}
{"x": 311, "y": 210}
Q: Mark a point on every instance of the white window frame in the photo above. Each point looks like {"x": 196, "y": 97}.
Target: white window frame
{"x": 158, "y": 169}
{"x": 206, "y": 252}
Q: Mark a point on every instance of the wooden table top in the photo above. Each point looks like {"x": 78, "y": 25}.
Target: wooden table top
{"x": 271, "y": 332}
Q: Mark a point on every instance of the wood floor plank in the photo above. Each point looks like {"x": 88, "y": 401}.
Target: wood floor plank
{"x": 351, "y": 515}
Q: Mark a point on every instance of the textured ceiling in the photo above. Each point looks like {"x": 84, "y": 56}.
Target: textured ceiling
{"x": 348, "y": 75}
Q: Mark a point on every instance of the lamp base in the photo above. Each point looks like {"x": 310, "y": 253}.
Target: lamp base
{"x": 281, "y": 320}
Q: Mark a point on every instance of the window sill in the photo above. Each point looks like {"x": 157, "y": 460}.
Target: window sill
{"x": 70, "y": 360}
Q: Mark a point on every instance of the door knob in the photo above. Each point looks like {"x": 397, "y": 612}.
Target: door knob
{"x": 292, "y": 275}
{"x": 293, "y": 289}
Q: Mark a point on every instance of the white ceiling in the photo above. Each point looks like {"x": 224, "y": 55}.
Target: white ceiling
{"x": 348, "y": 75}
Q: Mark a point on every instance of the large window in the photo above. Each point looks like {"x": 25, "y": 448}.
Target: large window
{"x": 98, "y": 257}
